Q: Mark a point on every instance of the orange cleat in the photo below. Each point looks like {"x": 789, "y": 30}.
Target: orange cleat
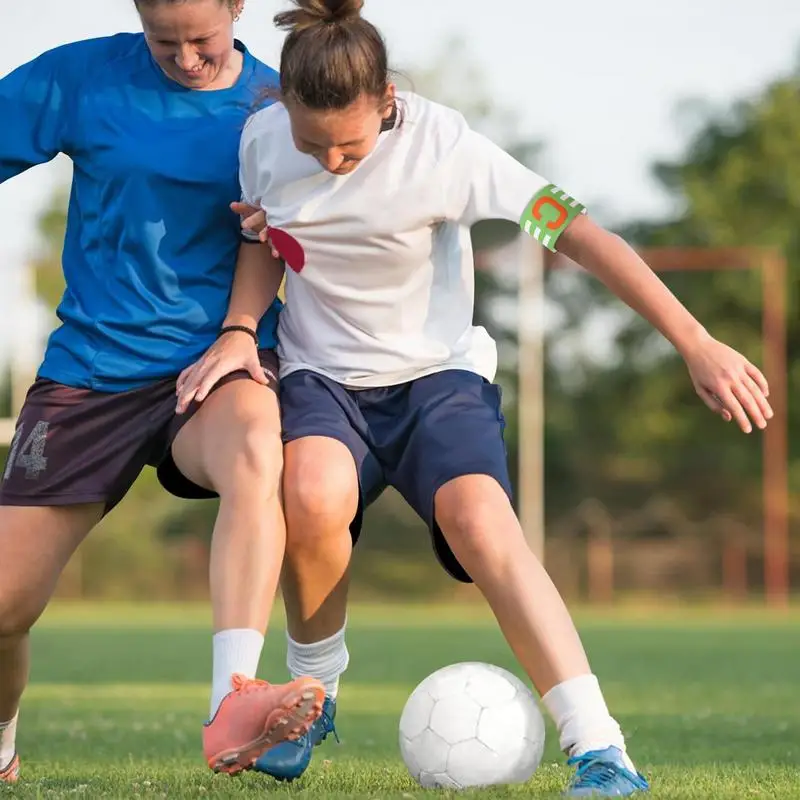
{"x": 10, "y": 774}
{"x": 256, "y": 716}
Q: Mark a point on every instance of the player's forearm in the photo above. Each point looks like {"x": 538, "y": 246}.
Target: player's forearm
{"x": 255, "y": 285}
{"x": 618, "y": 266}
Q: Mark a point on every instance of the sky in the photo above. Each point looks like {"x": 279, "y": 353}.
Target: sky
{"x": 599, "y": 84}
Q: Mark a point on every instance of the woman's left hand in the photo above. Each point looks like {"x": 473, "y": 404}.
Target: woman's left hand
{"x": 729, "y": 384}
{"x": 254, "y": 220}
{"x": 232, "y": 352}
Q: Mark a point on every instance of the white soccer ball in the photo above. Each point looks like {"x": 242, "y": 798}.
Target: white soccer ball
{"x": 471, "y": 725}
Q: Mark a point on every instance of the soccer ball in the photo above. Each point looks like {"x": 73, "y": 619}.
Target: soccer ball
{"x": 471, "y": 725}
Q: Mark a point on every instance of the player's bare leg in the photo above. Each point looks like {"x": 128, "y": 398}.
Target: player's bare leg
{"x": 482, "y": 529}
{"x": 233, "y": 446}
{"x": 36, "y": 543}
{"x": 321, "y": 499}
{"x": 480, "y": 526}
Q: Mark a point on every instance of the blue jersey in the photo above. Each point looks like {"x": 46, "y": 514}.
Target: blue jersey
{"x": 151, "y": 242}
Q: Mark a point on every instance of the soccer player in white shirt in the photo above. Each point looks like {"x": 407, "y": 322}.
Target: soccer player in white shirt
{"x": 370, "y": 195}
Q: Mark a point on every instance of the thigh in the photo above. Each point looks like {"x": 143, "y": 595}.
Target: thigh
{"x": 323, "y": 423}
{"x": 36, "y": 543}
{"x": 456, "y": 429}
{"x": 232, "y": 437}
{"x": 75, "y": 446}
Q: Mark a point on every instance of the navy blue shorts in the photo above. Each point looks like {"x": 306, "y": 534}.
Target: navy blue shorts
{"x": 415, "y": 436}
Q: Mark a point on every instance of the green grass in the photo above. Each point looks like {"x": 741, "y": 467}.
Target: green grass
{"x": 709, "y": 702}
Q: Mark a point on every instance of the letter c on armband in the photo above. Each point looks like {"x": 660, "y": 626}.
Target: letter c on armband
{"x": 549, "y": 214}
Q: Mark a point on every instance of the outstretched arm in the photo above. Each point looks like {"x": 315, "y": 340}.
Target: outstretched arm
{"x": 616, "y": 264}
{"x": 35, "y": 103}
{"x": 725, "y": 380}
{"x": 490, "y": 184}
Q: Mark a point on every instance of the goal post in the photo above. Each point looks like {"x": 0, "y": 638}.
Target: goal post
{"x": 775, "y": 490}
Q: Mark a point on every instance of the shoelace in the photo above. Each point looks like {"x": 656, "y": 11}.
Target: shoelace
{"x": 328, "y": 726}
{"x": 595, "y": 772}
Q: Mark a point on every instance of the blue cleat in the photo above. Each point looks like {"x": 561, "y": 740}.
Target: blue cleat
{"x": 602, "y": 773}
{"x": 287, "y": 761}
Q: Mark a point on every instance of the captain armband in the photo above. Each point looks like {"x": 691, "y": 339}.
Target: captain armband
{"x": 549, "y": 214}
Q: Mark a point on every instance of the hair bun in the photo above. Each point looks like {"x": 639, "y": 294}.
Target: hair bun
{"x": 340, "y": 10}
{"x": 308, "y": 13}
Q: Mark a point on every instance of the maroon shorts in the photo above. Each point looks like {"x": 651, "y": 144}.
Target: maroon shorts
{"x": 79, "y": 446}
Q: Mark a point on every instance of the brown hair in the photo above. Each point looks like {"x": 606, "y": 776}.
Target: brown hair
{"x": 332, "y": 55}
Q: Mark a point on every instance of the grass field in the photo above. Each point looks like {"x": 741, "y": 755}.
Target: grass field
{"x": 710, "y": 703}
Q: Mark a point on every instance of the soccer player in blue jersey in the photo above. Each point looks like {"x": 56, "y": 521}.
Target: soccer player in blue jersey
{"x": 385, "y": 380}
{"x": 152, "y": 124}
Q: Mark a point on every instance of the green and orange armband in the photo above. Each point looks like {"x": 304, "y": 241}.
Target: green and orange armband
{"x": 549, "y": 214}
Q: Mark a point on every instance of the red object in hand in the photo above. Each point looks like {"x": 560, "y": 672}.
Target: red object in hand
{"x": 291, "y": 251}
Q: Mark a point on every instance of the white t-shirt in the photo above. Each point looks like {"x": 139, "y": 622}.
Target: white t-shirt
{"x": 386, "y": 293}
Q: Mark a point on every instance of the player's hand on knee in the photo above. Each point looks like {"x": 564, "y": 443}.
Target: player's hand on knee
{"x": 729, "y": 384}
{"x": 232, "y": 352}
{"x": 254, "y": 220}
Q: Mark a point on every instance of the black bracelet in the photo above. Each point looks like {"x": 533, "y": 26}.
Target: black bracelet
{"x": 242, "y": 328}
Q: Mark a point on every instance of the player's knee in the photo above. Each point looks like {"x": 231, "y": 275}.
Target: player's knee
{"x": 475, "y": 532}
{"x": 318, "y": 501}
{"x": 470, "y": 529}
{"x": 17, "y": 614}
{"x": 256, "y": 460}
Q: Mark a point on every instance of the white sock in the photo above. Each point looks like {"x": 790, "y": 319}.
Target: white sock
{"x": 235, "y": 650}
{"x": 325, "y": 660}
{"x": 8, "y": 743}
{"x": 581, "y": 715}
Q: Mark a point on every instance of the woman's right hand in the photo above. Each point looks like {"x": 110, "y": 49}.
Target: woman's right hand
{"x": 254, "y": 220}
{"x": 233, "y": 351}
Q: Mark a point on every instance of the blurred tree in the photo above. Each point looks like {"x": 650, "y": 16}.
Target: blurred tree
{"x": 5, "y": 392}
{"x": 632, "y": 426}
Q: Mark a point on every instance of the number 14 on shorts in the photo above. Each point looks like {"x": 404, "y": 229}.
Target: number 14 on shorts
{"x": 30, "y": 456}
